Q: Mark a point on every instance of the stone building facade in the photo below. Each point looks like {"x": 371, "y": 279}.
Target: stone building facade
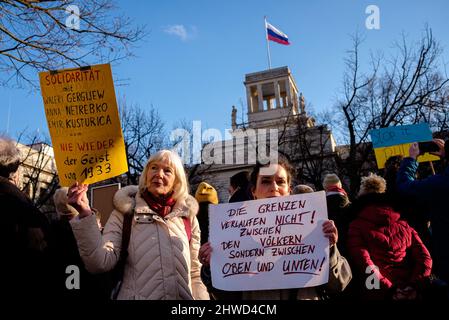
{"x": 276, "y": 122}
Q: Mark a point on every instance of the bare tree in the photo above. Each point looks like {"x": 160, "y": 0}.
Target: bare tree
{"x": 315, "y": 155}
{"x": 143, "y": 132}
{"x": 439, "y": 121}
{"x": 308, "y": 147}
{"x": 409, "y": 89}
{"x": 51, "y": 34}
{"x": 39, "y": 179}
{"x": 190, "y": 152}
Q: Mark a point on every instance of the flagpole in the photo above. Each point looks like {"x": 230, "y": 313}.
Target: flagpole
{"x": 268, "y": 44}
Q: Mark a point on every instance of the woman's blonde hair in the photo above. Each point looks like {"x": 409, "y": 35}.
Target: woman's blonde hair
{"x": 180, "y": 186}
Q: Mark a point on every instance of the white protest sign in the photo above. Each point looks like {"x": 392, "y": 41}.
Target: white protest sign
{"x": 275, "y": 243}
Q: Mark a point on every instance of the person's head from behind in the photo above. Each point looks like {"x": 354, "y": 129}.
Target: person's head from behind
{"x": 302, "y": 188}
{"x": 372, "y": 184}
{"x": 9, "y": 159}
{"x": 239, "y": 180}
{"x": 206, "y": 193}
{"x": 271, "y": 180}
{"x": 392, "y": 165}
{"x": 164, "y": 175}
{"x": 331, "y": 180}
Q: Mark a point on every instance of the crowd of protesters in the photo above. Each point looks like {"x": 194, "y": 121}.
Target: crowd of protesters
{"x": 155, "y": 245}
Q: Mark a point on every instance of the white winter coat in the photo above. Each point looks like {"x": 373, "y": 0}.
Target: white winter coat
{"x": 162, "y": 264}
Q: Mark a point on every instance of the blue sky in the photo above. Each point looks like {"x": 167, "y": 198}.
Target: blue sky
{"x": 192, "y": 64}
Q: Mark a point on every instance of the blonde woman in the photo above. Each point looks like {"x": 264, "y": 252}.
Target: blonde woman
{"x": 162, "y": 261}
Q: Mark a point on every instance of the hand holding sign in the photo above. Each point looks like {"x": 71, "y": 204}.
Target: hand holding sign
{"x": 205, "y": 253}
{"x": 416, "y": 148}
{"x": 77, "y": 198}
{"x": 330, "y": 232}
{"x": 441, "y": 152}
{"x": 392, "y": 141}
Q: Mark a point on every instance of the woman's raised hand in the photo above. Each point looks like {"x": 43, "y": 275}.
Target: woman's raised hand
{"x": 330, "y": 232}
{"x": 77, "y": 198}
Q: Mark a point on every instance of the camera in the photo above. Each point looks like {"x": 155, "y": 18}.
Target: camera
{"x": 428, "y": 146}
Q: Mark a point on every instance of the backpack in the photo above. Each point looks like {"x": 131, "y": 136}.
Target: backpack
{"x": 119, "y": 269}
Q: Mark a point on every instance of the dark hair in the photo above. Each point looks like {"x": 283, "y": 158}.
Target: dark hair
{"x": 240, "y": 179}
{"x": 390, "y": 172}
{"x": 393, "y": 162}
{"x": 283, "y": 162}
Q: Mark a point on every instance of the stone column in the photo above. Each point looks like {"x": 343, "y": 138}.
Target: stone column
{"x": 289, "y": 93}
{"x": 302, "y": 103}
{"x": 277, "y": 94}
{"x": 260, "y": 97}
{"x": 269, "y": 103}
{"x": 295, "y": 101}
{"x": 249, "y": 100}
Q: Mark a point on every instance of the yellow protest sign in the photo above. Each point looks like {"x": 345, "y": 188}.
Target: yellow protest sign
{"x": 382, "y": 154}
{"x": 84, "y": 124}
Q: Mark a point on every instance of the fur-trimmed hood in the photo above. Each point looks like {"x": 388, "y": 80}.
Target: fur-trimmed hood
{"x": 124, "y": 199}
{"x": 128, "y": 198}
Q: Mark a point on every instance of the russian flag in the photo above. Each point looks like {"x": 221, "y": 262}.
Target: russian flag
{"x": 276, "y": 35}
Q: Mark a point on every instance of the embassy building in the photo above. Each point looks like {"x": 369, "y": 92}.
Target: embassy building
{"x": 277, "y": 123}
